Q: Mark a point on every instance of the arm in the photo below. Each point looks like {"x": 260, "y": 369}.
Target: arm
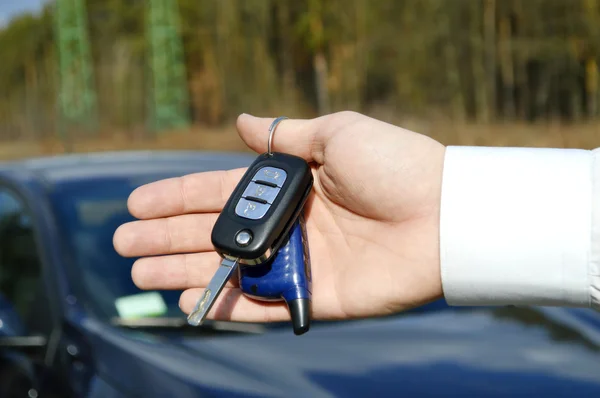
{"x": 396, "y": 220}
{"x": 520, "y": 226}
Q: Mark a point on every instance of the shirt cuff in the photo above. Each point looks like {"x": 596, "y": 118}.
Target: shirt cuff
{"x": 516, "y": 227}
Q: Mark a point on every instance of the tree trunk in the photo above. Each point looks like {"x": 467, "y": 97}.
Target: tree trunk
{"x": 31, "y": 99}
{"x": 591, "y": 85}
{"x": 225, "y": 32}
{"x": 288, "y": 84}
{"x": 453, "y": 71}
{"x": 507, "y": 69}
{"x": 520, "y": 57}
{"x": 489, "y": 27}
{"x": 479, "y": 86}
{"x": 542, "y": 95}
{"x": 361, "y": 52}
{"x": 321, "y": 74}
{"x": 320, "y": 65}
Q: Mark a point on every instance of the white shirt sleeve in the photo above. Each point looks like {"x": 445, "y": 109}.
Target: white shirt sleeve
{"x": 520, "y": 226}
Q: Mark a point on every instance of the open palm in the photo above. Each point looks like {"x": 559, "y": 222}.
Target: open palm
{"x": 372, "y": 221}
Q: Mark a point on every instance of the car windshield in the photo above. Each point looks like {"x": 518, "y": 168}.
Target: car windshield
{"x": 89, "y": 212}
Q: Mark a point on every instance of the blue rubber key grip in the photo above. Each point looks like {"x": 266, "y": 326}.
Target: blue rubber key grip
{"x": 286, "y": 277}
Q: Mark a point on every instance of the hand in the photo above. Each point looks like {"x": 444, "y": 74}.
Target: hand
{"x": 372, "y": 221}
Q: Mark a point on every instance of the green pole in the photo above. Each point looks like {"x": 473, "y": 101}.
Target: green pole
{"x": 169, "y": 100}
{"x": 77, "y": 102}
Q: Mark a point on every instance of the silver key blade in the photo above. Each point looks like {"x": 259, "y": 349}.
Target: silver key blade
{"x": 212, "y": 291}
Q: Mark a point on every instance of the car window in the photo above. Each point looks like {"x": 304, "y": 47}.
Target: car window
{"x": 88, "y": 214}
{"x": 20, "y": 265}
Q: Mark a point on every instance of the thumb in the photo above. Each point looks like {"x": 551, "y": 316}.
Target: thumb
{"x": 300, "y": 137}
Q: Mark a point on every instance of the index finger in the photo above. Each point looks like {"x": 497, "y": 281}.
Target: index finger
{"x": 205, "y": 192}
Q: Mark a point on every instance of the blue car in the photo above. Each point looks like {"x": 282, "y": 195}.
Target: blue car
{"x": 68, "y": 324}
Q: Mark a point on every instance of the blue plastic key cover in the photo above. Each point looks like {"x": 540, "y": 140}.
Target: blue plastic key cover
{"x": 286, "y": 277}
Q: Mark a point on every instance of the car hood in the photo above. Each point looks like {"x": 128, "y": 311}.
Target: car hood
{"x": 485, "y": 352}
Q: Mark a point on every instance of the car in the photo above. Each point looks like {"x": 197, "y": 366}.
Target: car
{"x": 68, "y": 326}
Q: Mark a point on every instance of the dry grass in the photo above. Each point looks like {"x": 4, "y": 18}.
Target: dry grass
{"x": 520, "y": 135}
{"x": 226, "y": 139}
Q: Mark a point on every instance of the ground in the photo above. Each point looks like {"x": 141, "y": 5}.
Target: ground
{"x": 226, "y": 139}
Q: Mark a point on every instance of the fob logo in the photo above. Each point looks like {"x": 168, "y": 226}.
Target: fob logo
{"x": 260, "y": 190}
{"x": 272, "y": 174}
{"x": 250, "y": 207}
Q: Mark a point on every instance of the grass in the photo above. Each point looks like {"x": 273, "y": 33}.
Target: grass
{"x": 584, "y": 136}
{"x": 224, "y": 139}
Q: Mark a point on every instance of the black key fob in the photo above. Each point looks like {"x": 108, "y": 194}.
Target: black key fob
{"x": 262, "y": 209}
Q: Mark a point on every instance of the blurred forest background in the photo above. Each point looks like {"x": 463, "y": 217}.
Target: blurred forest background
{"x": 471, "y": 72}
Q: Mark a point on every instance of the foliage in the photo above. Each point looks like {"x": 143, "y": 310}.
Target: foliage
{"x": 483, "y": 60}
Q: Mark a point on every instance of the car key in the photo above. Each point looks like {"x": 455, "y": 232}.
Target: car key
{"x": 257, "y": 218}
{"x": 286, "y": 277}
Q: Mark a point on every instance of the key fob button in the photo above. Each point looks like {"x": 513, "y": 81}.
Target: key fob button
{"x": 251, "y": 210}
{"x": 271, "y": 175}
{"x": 243, "y": 238}
{"x": 261, "y": 191}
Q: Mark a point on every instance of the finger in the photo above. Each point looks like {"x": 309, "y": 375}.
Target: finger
{"x": 301, "y": 137}
{"x": 193, "y": 193}
{"x": 177, "y": 272}
{"x": 233, "y": 305}
{"x": 179, "y": 234}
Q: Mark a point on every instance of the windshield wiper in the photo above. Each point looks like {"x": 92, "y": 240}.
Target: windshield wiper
{"x": 181, "y": 323}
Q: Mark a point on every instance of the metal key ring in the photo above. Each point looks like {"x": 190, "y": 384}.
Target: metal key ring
{"x": 272, "y": 132}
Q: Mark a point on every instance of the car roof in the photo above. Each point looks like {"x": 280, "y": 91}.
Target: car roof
{"x": 84, "y": 166}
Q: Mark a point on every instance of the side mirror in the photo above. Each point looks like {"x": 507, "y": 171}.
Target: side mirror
{"x": 13, "y": 333}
